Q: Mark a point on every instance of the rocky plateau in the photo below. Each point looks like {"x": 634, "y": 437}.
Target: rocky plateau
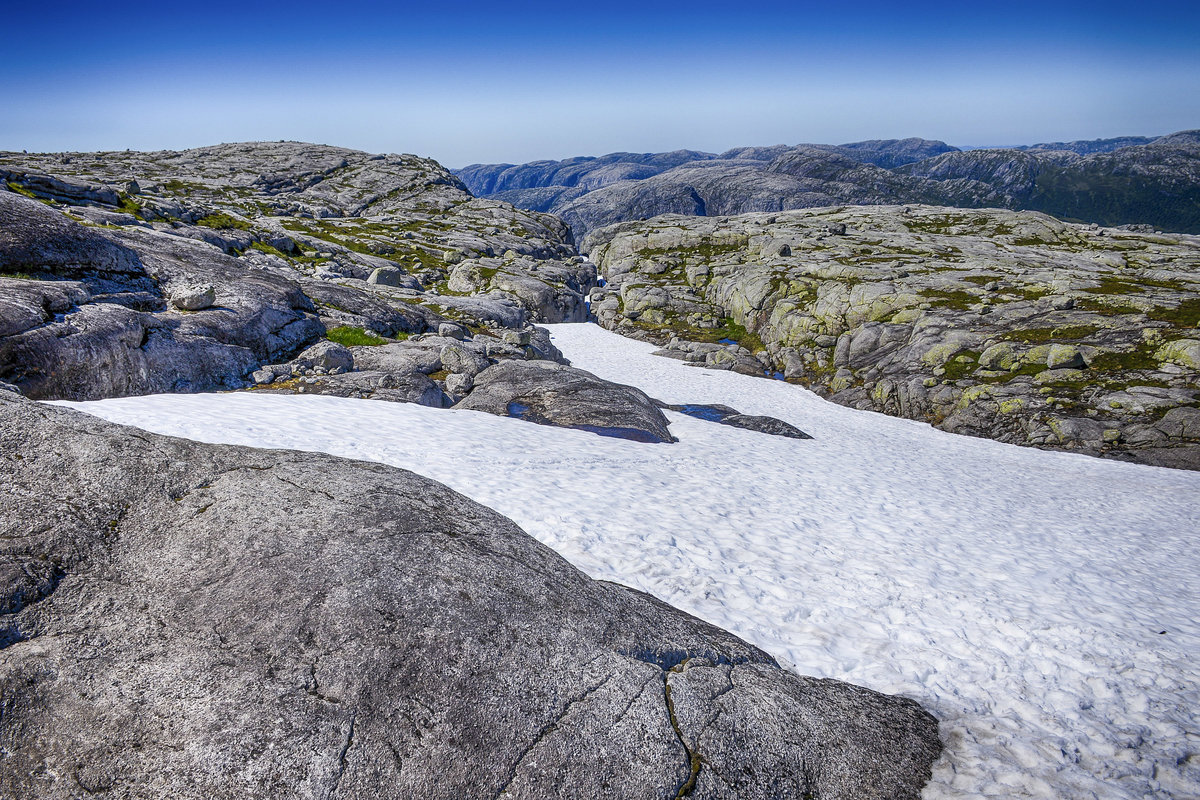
{"x": 1009, "y": 325}
{"x": 188, "y": 620}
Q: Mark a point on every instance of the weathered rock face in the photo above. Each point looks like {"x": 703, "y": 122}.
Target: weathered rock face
{"x": 1111, "y": 182}
{"x": 555, "y": 394}
{"x": 1009, "y": 325}
{"x": 36, "y": 241}
{"x": 239, "y": 256}
{"x": 195, "y": 621}
{"x": 87, "y": 317}
{"x": 725, "y": 415}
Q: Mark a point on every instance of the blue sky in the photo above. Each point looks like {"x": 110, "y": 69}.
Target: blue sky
{"x": 508, "y": 81}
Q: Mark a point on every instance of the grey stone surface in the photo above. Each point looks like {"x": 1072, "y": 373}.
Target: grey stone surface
{"x": 1009, "y": 325}
{"x": 236, "y": 256}
{"x": 197, "y": 621}
{"x": 765, "y": 424}
{"x": 461, "y": 360}
{"x": 194, "y": 298}
{"x": 555, "y": 394}
{"x": 69, "y": 334}
{"x": 40, "y": 241}
{"x": 327, "y": 356}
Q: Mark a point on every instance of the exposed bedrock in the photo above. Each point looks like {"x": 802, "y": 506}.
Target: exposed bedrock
{"x": 1009, "y": 325}
{"x": 198, "y": 621}
{"x": 218, "y": 265}
{"x": 556, "y": 394}
{"x": 84, "y": 312}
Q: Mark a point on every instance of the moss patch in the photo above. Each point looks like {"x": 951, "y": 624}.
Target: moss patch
{"x": 961, "y": 365}
{"x": 350, "y": 336}
{"x": 21, "y": 190}
{"x": 1111, "y": 285}
{"x": 1039, "y": 335}
{"x": 128, "y": 205}
{"x": 1184, "y": 315}
{"x": 1141, "y": 357}
{"x": 8, "y": 272}
{"x": 220, "y": 222}
{"x": 950, "y": 298}
{"x": 728, "y": 329}
{"x": 263, "y": 247}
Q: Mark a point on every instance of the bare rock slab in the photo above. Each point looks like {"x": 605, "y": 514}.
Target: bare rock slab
{"x": 555, "y": 394}
{"x": 197, "y": 621}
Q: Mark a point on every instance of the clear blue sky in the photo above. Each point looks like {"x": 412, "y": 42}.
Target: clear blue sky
{"x": 507, "y": 81}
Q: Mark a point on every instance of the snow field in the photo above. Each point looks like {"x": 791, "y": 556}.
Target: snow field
{"x": 1019, "y": 595}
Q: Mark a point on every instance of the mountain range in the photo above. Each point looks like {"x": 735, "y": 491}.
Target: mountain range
{"x": 1120, "y": 181}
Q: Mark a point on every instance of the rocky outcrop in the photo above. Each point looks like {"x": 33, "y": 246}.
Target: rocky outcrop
{"x": 225, "y": 262}
{"x": 1009, "y": 325}
{"x": 731, "y": 416}
{"x": 556, "y": 394}
{"x": 83, "y": 311}
{"x": 430, "y": 369}
{"x": 1133, "y": 180}
{"x": 196, "y": 621}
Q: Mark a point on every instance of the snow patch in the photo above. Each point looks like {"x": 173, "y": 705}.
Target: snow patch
{"x": 1042, "y": 605}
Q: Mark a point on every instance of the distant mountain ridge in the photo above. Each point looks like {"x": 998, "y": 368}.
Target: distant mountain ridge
{"x": 1116, "y": 181}
{"x": 1087, "y": 147}
{"x": 594, "y": 172}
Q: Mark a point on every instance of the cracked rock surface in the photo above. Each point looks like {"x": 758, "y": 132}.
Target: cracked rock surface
{"x": 128, "y": 273}
{"x": 1008, "y": 325}
{"x": 198, "y": 621}
{"x": 556, "y": 394}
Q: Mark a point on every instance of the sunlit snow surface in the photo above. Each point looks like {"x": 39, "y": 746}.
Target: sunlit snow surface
{"x": 1042, "y": 605}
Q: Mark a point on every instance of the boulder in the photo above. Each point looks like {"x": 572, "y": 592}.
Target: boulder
{"x": 1000, "y": 356}
{"x": 458, "y": 384}
{"x": 325, "y": 356}
{"x": 193, "y": 298}
{"x": 393, "y": 276}
{"x": 399, "y": 357}
{"x": 462, "y": 360}
{"x": 195, "y": 621}
{"x": 554, "y": 394}
{"x": 452, "y": 330}
{"x": 1064, "y": 356}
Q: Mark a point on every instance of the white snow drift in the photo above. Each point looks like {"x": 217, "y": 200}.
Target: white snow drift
{"x": 1043, "y": 605}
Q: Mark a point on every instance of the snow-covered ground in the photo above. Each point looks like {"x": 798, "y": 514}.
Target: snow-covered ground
{"x": 1042, "y": 605}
